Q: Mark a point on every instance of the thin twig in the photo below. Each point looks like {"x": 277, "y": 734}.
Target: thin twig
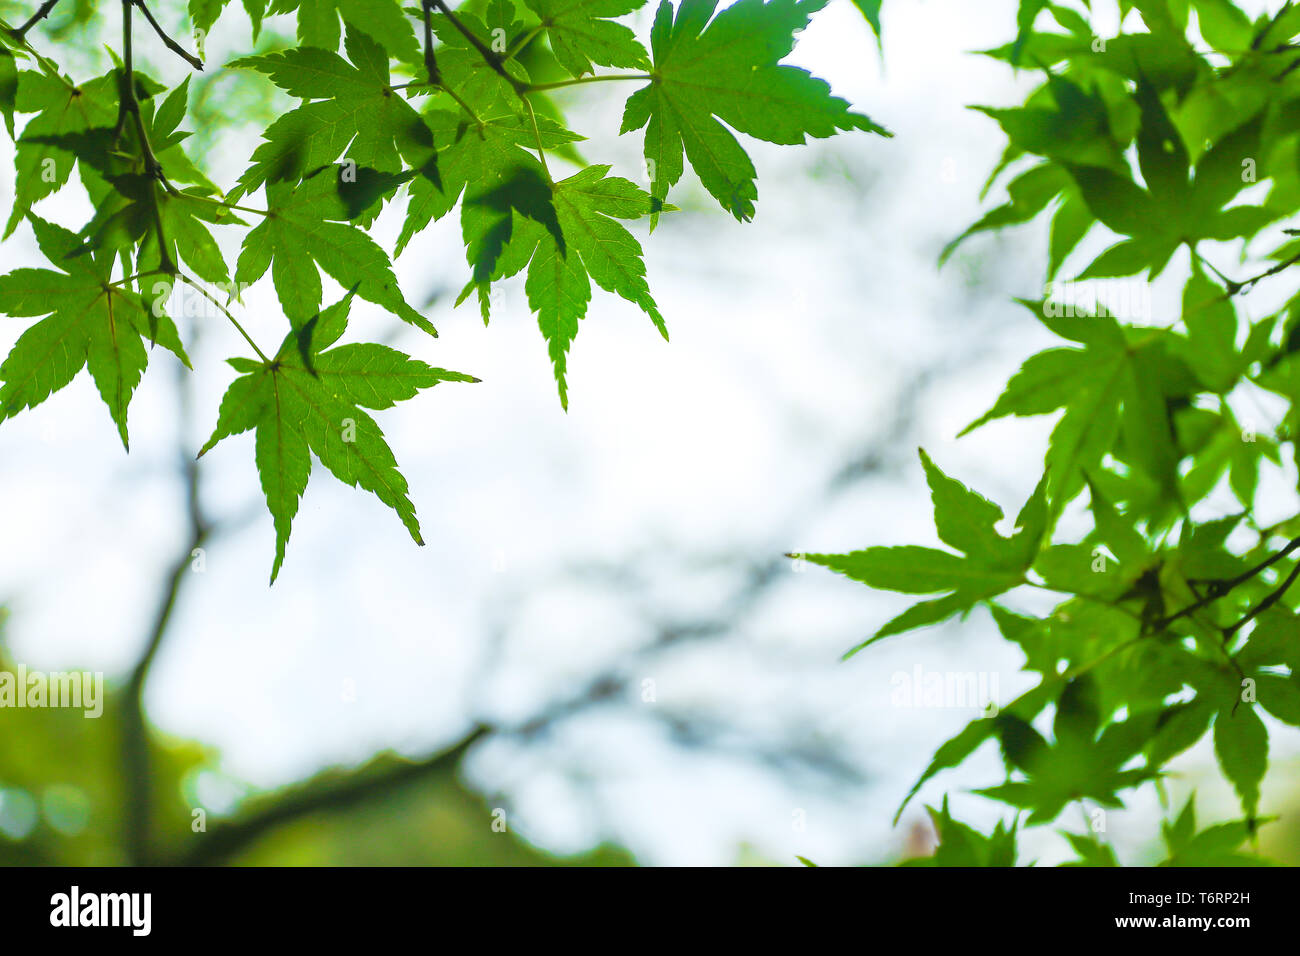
{"x": 430, "y": 61}
{"x": 1273, "y": 597}
{"x": 492, "y": 59}
{"x": 172, "y": 45}
{"x": 129, "y": 104}
{"x": 1233, "y": 287}
{"x": 35, "y": 18}
{"x": 1219, "y": 589}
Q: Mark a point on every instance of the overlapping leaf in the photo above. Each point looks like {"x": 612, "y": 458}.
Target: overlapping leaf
{"x": 585, "y": 243}
{"x": 989, "y": 564}
{"x": 43, "y": 166}
{"x": 310, "y": 399}
{"x": 89, "y": 322}
{"x": 353, "y": 112}
{"x": 583, "y": 34}
{"x": 1085, "y": 761}
{"x": 962, "y": 845}
{"x": 302, "y": 235}
{"x": 1219, "y": 845}
{"x": 726, "y": 69}
{"x": 1115, "y": 388}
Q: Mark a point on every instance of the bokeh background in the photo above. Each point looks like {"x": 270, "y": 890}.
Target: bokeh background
{"x": 604, "y": 590}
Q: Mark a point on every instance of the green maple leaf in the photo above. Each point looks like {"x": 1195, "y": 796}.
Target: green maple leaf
{"x": 962, "y": 845}
{"x": 1241, "y": 746}
{"x": 1223, "y": 24}
{"x": 1117, "y": 385}
{"x": 1063, "y": 121}
{"x": 582, "y": 34}
{"x": 1080, "y": 764}
{"x": 489, "y": 214}
{"x": 1092, "y": 852}
{"x": 306, "y": 400}
{"x": 8, "y": 86}
{"x": 89, "y": 322}
{"x": 1028, "y": 195}
{"x": 300, "y": 235}
{"x": 727, "y": 68}
{"x": 354, "y": 112}
{"x": 385, "y": 20}
{"x": 590, "y": 245}
{"x": 955, "y": 750}
{"x": 473, "y": 160}
{"x": 871, "y": 10}
{"x": 1211, "y": 323}
{"x": 1176, "y": 207}
{"x": 990, "y": 565}
{"x": 1114, "y": 530}
{"x": 130, "y": 201}
{"x": 1218, "y": 845}
{"x": 43, "y": 167}
{"x": 204, "y": 13}
{"x": 479, "y": 83}
{"x": 1240, "y": 736}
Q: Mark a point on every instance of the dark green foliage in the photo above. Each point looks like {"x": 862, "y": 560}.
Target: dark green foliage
{"x": 1176, "y": 616}
{"x": 452, "y": 106}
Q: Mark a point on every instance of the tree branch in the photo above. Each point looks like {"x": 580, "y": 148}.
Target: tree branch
{"x": 138, "y": 778}
{"x": 226, "y": 840}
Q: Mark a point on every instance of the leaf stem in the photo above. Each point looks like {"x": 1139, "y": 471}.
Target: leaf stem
{"x": 537, "y": 132}
{"x": 126, "y": 280}
{"x": 539, "y": 87}
{"x": 461, "y": 102}
{"x": 442, "y": 85}
{"x": 522, "y": 41}
{"x": 221, "y": 202}
{"x": 233, "y": 321}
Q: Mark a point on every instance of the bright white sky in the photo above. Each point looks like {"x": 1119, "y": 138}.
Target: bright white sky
{"x": 797, "y": 343}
